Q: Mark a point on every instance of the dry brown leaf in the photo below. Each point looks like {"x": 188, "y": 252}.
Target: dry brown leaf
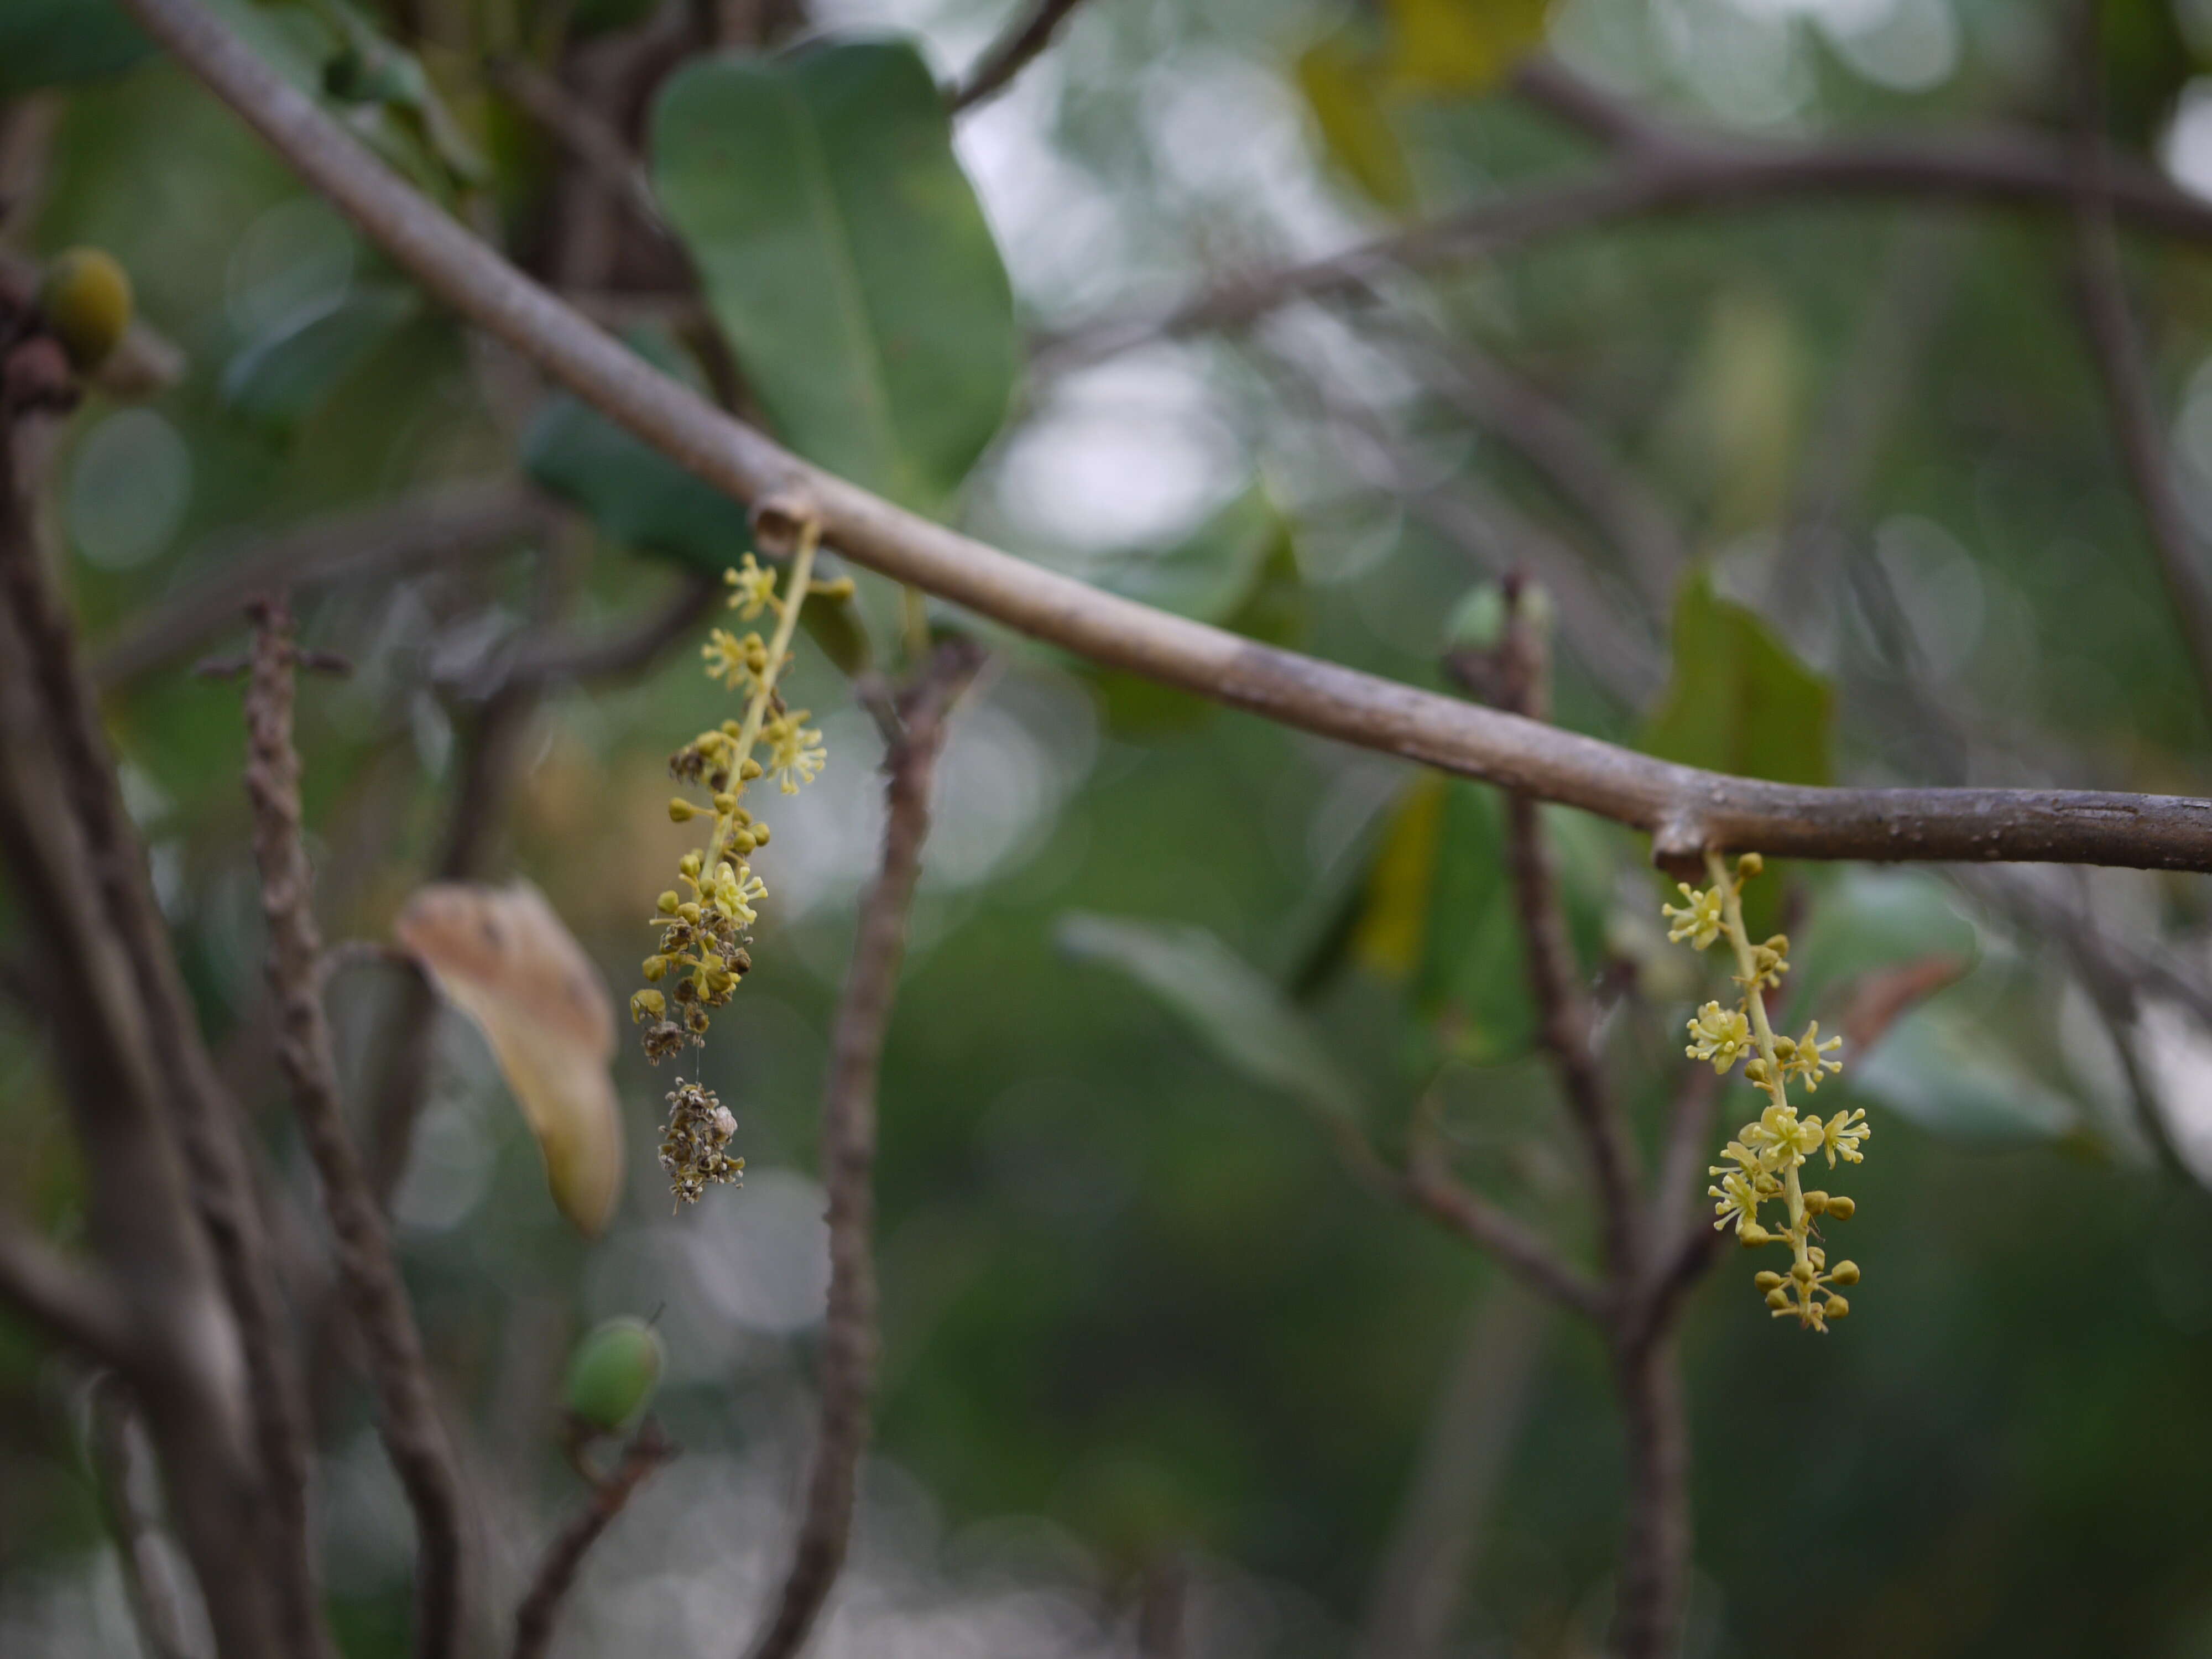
{"x": 503, "y": 958}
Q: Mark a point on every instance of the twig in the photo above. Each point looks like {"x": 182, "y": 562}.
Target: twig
{"x": 1012, "y": 53}
{"x": 648, "y": 1451}
{"x": 1430, "y": 1186}
{"x": 114, "y": 1430}
{"x": 74, "y": 1303}
{"x": 1684, "y": 810}
{"x": 587, "y": 134}
{"x": 2118, "y": 352}
{"x": 438, "y": 527}
{"x": 1655, "y": 1546}
{"x": 1426, "y": 1569}
{"x": 625, "y": 648}
{"x": 1686, "y": 175}
{"x": 1563, "y": 1014}
{"x": 367, "y": 1272}
{"x": 205, "y": 1121}
{"x": 849, "y": 1150}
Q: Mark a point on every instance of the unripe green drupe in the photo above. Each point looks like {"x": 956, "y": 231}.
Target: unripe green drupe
{"x": 613, "y": 1373}
{"x": 86, "y": 300}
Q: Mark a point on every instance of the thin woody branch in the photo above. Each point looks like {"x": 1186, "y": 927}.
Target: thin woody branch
{"x": 152, "y": 1020}
{"x": 847, "y": 1380}
{"x": 1429, "y": 1186}
{"x": 367, "y": 1275}
{"x": 74, "y": 1303}
{"x": 112, "y": 1433}
{"x": 1012, "y": 53}
{"x": 648, "y": 1451}
{"x": 1684, "y": 810}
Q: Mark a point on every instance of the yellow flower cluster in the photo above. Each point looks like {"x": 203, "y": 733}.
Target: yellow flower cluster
{"x": 706, "y": 926}
{"x": 1764, "y": 1160}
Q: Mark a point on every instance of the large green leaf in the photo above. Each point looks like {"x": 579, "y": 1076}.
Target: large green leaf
{"x": 843, "y": 253}
{"x": 279, "y": 379}
{"x": 45, "y": 43}
{"x": 1738, "y": 701}
{"x": 1231, "y": 1006}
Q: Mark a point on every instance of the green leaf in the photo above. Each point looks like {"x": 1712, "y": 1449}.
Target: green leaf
{"x": 1943, "y": 1067}
{"x": 1461, "y": 45}
{"x": 634, "y": 494}
{"x": 1236, "y": 570}
{"x": 1738, "y": 701}
{"x": 282, "y": 378}
{"x": 1231, "y": 1005}
{"x": 44, "y": 43}
{"x": 1345, "y": 90}
{"x": 843, "y": 253}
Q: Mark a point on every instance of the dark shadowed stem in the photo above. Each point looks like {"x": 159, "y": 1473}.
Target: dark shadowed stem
{"x": 1654, "y": 1549}
{"x": 1414, "y": 1605}
{"x": 1687, "y": 812}
{"x": 1013, "y": 52}
{"x": 1688, "y": 1153}
{"x": 112, "y": 1434}
{"x": 848, "y": 1151}
{"x": 369, "y": 1277}
{"x": 1563, "y": 1011}
{"x": 564, "y": 1556}
{"x": 440, "y": 525}
{"x": 206, "y": 1122}
{"x": 587, "y": 134}
{"x": 73, "y": 1302}
{"x": 2116, "y": 348}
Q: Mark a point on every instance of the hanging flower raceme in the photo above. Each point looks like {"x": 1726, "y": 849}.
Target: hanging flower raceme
{"x": 705, "y": 923}
{"x": 1764, "y": 1160}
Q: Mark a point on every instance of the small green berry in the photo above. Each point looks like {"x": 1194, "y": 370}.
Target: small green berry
{"x": 85, "y": 299}
{"x": 614, "y": 1372}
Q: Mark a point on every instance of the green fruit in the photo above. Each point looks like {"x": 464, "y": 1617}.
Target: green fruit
{"x": 614, "y": 1372}
{"x": 86, "y": 301}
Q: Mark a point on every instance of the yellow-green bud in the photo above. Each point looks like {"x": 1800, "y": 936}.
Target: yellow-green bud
{"x": 760, "y": 834}
{"x": 680, "y": 811}
{"x": 1777, "y": 1297}
{"x": 1768, "y": 1281}
{"x": 85, "y": 297}
{"x": 655, "y": 968}
{"x": 646, "y": 1005}
{"x": 1801, "y": 1271}
{"x": 1815, "y": 1203}
{"x": 1750, "y": 865}
{"x": 1752, "y": 1233}
{"x": 749, "y": 770}
{"x": 1837, "y": 1308}
{"x": 1847, "y": 1273}
{"x": 613, "y": 1373}
{"x": 689, "y": 910}
{"x": 690, "y": 866}
{"x": 667, "y": 903}
{"x": 1841, "y": 1208}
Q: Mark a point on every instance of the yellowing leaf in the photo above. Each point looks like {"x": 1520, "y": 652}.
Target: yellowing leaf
{"x": 1461, "y": 45}
{"x": 1394, "y": 927}
{"x": 1344, "y": 90}
{"x": 504, "y": 958}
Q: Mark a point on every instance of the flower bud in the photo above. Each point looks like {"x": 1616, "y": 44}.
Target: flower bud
{"x": 760, "y": 834}
{"x": 1815, "y": 1203}
{"x": 1777, "y": 1297}
{"x": 749, "y": 770}
{"x": 1837, "y": 1308}
{"x": 667, "y": 903}
{"x": 613, "y": 1373}
{"x": 680, "y": 811}
{"x": 1847, "y": 1273}
{"x": 1841, "y": 1208}
{"x": 1768, "y": 1281}
{"x": 1750, "y": 865}
{"x": 1801, "y": 1271}
{"x": 1752, "y": 1233}
{"x": 654, "y": 969}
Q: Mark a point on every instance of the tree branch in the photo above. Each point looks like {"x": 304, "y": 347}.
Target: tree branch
{"x": 1685, "y": 810}
{"x": 112, "y": 1434}
{"x": 449, "y": 522}
{"x": 564, "y": 1556}
{"x": 74, "y": 1303}
{"x": 849, "y": 1150}
{"x": 367, "y": 1272}
{"x": 1013, "y": 52}
{"x": 1430, "y": 1186}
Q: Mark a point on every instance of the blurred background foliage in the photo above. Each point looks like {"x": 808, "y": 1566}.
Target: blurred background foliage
{"x": 1137, "y": 1320}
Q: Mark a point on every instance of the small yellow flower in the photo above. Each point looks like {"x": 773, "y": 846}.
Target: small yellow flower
{"x": 1720, "y": 1034}
{"x": 646, "y": 1005}
{"x": 1806, "y": 1056}
{"x": 1841, "y": 1135}
{"x": 1738, "y": 1201}
{"x": 735, "y": 662}
{"x": 1786, "y": 1138}
{"x": 732, "y": 893}
{"x": 795, "y": 751}
{"x": 753, "y": 589}
{"x": 1698, "y": 920}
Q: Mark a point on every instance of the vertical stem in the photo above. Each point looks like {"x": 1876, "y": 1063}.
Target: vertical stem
{"x": 1655, "y": 1552}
